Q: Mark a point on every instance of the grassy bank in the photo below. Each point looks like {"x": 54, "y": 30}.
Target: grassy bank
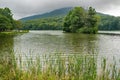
{"x": 14, "y": 32}
{"x": 56, "y": 67}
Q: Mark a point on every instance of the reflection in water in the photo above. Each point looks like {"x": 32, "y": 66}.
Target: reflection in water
{"x": 37, "y": 43}
{"x": 41, "y": 42}
{"x": 6, "y": 51}
{"x": 55, "y": 41}
{"x": 109, "y": 49}
{"x": 6, "y": 45}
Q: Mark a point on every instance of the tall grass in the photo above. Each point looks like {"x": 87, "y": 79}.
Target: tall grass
{"x": 57, "y": 67}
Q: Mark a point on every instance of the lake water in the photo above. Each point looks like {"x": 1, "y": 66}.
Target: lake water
{"x": 37, "y": 43}
{"x": 41, "y": 42}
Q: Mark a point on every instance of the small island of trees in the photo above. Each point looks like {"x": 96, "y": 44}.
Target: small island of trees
{"x": 80, "y": 20}
{"x": 77, "y": 20}
{"x": 92, "y": 21}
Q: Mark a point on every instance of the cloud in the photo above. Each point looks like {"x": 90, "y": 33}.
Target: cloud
{"x": 22, "y": 8}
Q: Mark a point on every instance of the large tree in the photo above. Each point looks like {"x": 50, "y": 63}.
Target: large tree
{"x": 74, "y": 20}
{"x": 5, "y": 23}
{"x": 92, "y": 20}
{"x": 6, "y": 20}
{"x": 80, "y": 20}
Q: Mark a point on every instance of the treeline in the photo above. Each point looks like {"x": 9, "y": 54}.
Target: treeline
{"x": 107, "y": 22}
{"x": 54, "y": 23}
{"x": 7, "y": 22}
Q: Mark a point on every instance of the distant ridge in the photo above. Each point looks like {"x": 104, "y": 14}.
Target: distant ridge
{"x": 54, "y": 21}
{"x": 57, "y": 12}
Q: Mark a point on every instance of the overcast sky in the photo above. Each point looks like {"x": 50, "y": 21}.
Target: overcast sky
{"x": 23, "y": 8}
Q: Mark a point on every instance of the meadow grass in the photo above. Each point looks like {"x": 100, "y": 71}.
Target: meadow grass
{"x": 56, "y": 67}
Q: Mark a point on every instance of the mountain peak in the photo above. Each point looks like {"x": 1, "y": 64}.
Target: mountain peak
{"x": 57, "y": 12}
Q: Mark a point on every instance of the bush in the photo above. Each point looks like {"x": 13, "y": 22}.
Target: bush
{"x": 87, "y": 30}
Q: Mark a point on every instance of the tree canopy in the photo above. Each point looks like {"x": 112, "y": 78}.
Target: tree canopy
{"x": 109, "y": 23}
{"x": 6, "y": 20}
{"x": 85, "y": 23}
{"x": 80, "y": 20}
{"x": 54, "y": 23}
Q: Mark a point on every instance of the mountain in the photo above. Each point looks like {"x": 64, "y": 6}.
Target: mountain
{"x": 54, "y": 21}
{"x": 54, "y": 13}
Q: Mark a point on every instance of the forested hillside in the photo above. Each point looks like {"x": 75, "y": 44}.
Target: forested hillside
{"x": 109, "y": 22}
{"x": 54, "y": 21}
{"x": 55, "y": 13}
{"x": 51, "y": 23}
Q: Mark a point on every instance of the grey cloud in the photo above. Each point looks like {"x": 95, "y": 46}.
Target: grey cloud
{"x": 22, "y": 8}
{"x": 105, "y": 4}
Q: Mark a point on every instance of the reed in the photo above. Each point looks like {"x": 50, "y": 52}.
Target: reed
{"x": 57, "y": 67}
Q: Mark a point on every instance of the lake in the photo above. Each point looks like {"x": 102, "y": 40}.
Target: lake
{"x": 41, "y": 42}
{"x": 37, "y": 43}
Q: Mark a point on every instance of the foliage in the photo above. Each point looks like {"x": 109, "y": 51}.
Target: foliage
{"x": 43, "y": 24}
{"x": 57, "y": 67}
{"x": 5, "y": 23}
{"x": 78, "y": 19}
{"x": 48, "y": 21}
{"x": 6, "y": 20}
{"x": 17, "y": 24}
{"x": 109, "y": 23}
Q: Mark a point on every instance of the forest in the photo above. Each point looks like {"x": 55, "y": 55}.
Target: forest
{"x": 50, "y": 23}
{"x": 107, "y": 22}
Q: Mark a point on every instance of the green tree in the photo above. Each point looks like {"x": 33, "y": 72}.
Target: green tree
{"x": 79, "y": 20}
{"x": 6, "y": 20}
{"x": 17, "y": 24}
{"x": 5, "y": 23}
{"x": 74, "y": 20}
{"x": 109, "y": 23}
{"x": 67, "y": 22}
{"x": 7, "y": 12}
{"x": 92, "y": 20}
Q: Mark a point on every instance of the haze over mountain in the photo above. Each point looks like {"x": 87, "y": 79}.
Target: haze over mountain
{"x": 23, "y": 8}
{"x": 53, "y": 21}
{"x": 57, "y": 12}
{"x": 54, "y": 13}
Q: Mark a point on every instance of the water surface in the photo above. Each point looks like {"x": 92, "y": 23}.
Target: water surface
{"x": 37, "y": 43}
{"x": 41, "y": 42}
